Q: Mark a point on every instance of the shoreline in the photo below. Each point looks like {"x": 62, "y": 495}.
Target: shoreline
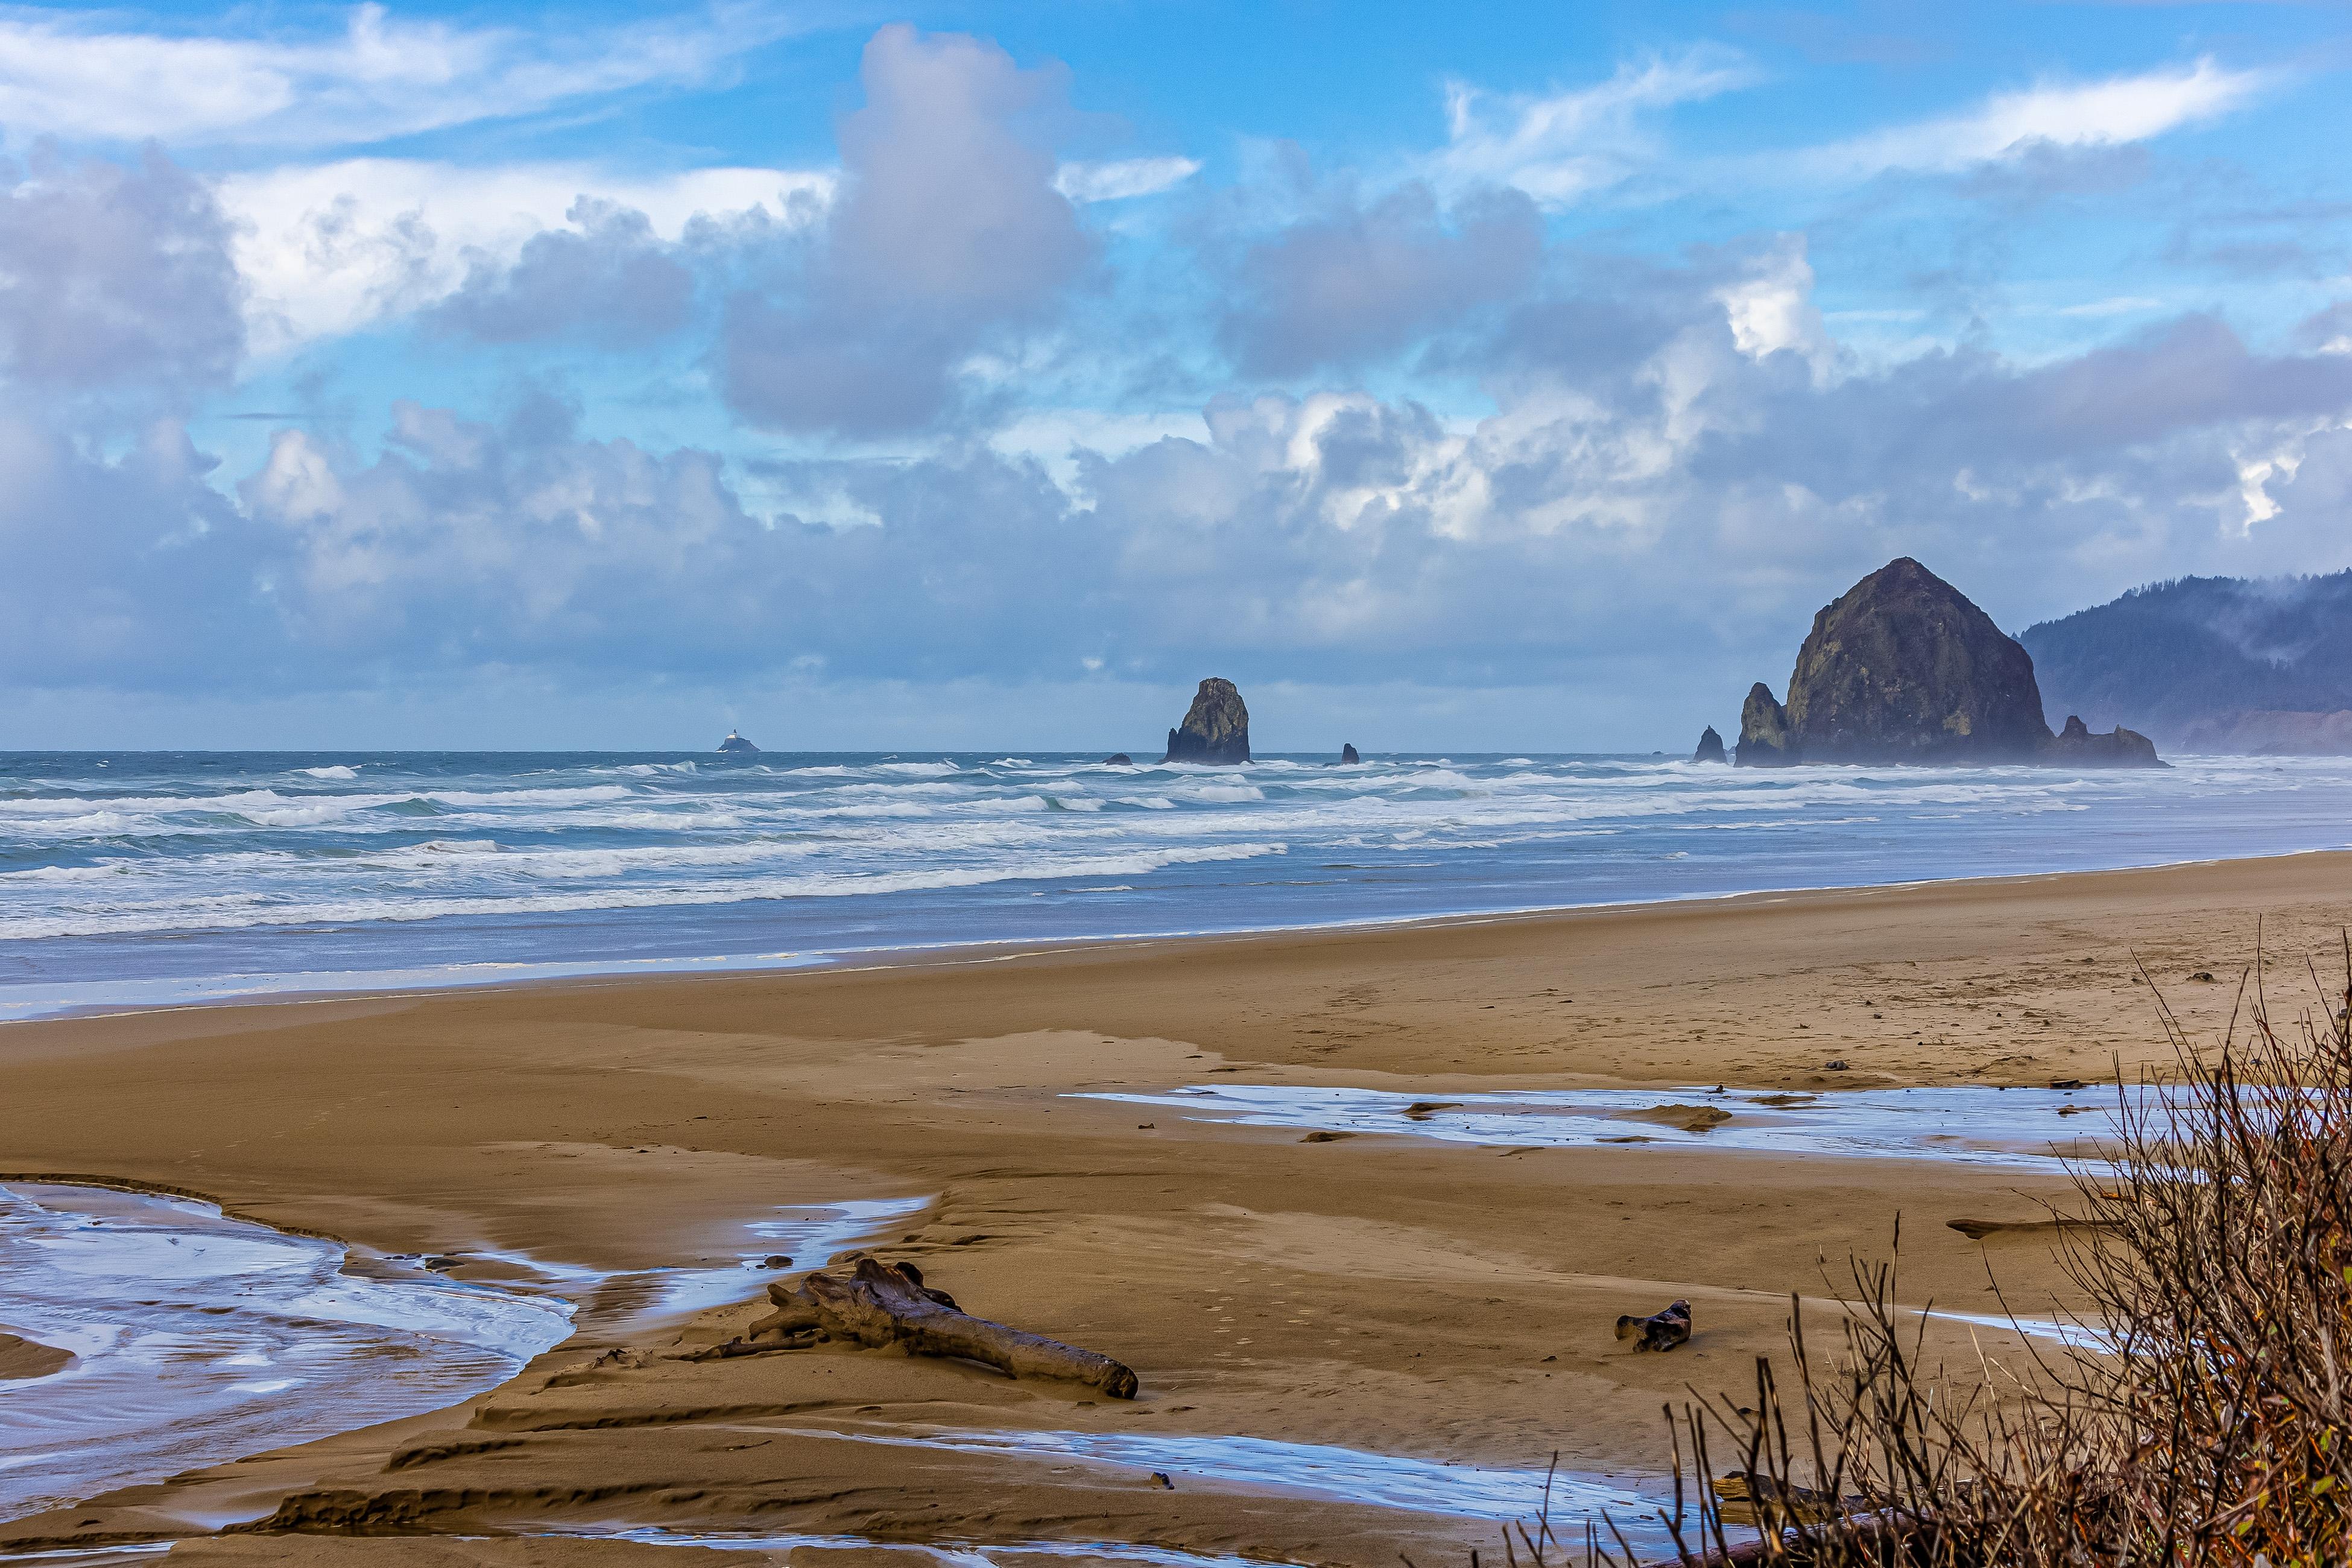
{"x": 990, "y": 951}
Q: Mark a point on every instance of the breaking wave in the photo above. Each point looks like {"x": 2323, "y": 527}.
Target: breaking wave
{"x": 148, "y": 868}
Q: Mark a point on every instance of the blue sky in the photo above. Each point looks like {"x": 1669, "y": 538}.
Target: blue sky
{"x": 1496, "y": 377}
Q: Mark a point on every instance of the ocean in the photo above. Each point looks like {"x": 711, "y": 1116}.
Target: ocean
{"x": 161, "y": 878}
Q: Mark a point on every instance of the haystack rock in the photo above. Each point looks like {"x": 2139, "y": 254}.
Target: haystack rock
{"x": 735, "y": 742}
{"x": 1348, "y": 754}
{"x": 1710, "y": 747}
{"x": 1215, "y": 729}
{"x": 1903, "y": 668}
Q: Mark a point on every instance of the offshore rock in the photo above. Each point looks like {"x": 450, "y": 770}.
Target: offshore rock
{"x": 1903, "y": 668}
{"x": 1118, "y": 760}
{"x": 735, "y": 742}
{"x": 2118, "y": 748}
{"x": 1763, "y": 729}
{"x": 1348, "y": 754}
{"x": 1710, "y": 747}
{"x": 1215, "y": 729}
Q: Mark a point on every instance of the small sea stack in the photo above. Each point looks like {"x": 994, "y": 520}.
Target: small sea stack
{"x": 735, "y": 742}
{"x": 1348, "y": 754}
{"x": 1118, "y": 760}
{"x": 1710, "y": 747}
{"x": 2117, "y": 748}
{"x": 1215, "y": 729}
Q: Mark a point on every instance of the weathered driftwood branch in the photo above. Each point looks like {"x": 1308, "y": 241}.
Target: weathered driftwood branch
{"x": 888, "y": 1304}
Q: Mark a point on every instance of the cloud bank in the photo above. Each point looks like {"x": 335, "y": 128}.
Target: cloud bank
{"x": 1440, "y": 438}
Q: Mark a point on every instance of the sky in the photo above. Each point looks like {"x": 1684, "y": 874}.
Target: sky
{"x": 1503, "y": 377}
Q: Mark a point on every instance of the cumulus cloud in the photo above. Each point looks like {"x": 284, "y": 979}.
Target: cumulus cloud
{"x": 609, "y": 281}
{"x": 537, "y": 544}
{"x": 1367, "y": 280}
{"x": 1660, "y": 499}
{"x": 329, "y": 250}
{"x": 126, "y": 569}
{"x": 114, "y": 276}
{"x": 948, "y": 226}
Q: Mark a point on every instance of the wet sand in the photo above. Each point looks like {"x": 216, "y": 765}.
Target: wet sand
{"x": 24, "y": 1358}
{"x": 1440, "y": 1300}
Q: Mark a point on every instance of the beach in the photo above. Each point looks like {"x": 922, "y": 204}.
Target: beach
{"x": 1442, "y": 1293}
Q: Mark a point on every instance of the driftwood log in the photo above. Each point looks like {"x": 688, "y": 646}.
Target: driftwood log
{"x": 888, "y": 1304}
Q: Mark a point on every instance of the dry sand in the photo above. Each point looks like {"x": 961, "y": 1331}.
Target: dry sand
{"x": 1443, "y": 1300}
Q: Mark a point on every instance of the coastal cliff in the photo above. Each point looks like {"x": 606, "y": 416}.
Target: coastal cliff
{"x": 2263, "y": 733}
{"x": 1903, "y": 668}
{"x": 2209, "y": 664}
{"x": 1215, "y": 729}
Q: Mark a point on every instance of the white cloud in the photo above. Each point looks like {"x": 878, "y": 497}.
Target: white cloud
{"x": 331, "y": 248}
{"x": 1772, "y": 310}
{"x": 1566, "y": 145}
{"x": 378, "y": 77}
{"x": 1122, "y": 178}
{"x": 2114, "y": 112}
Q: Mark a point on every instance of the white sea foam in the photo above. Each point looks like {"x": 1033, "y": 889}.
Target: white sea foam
{"x": 155, "y": 867}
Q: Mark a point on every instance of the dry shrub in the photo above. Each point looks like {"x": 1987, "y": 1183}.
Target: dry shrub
{"x": 2201, "y": 1416}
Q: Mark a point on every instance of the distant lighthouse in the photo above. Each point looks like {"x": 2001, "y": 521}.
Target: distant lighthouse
{"x": 735, "y": 742}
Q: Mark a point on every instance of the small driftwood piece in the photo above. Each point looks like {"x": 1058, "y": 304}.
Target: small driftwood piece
{"x": 888, "y": 1304}
{"x": 1659, "y": 1330}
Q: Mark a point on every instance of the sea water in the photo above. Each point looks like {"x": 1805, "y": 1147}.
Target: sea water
{"x": 199, "y": 1337}
{"x": 160, "y": 877}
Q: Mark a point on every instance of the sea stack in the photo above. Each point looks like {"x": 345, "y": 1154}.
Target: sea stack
{"x": 735, "y": 742}
{"x": 1118, "y": 760}
{"x": 1903, "y": 668}
{"x": 1763, "y": 729}
{"x": 1215, "y": 729}
{"x": 1710, "y": 747}
{"x": 1348, "y": 754}
{"x": 2118, "y": 748}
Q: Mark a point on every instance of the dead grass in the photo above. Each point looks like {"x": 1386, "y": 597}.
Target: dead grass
{"x": 2204, "y": 1422}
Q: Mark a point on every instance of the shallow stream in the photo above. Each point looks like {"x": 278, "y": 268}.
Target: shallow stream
{"x": 198, "y": 1338}
{"x": 1973, "y": 1124}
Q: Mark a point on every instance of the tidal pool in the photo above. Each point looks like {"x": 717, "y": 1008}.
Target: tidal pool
{"x": 807, "y": 1234}
{"x": 1972, "y": 1125}
{"x": 199, "y": 1337}
{"x": 953, "y": 1554}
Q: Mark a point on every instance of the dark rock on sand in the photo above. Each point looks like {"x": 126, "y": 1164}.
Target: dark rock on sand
{"x": 2118, "y": 748}
{"x": 735, "y": 742}
{"x": 1215, "y": 729}
{"x": 1118, "y": 760}
{"x": 1658, "y": 1332}
{"x": 1710, "y": 746}
{"x": 1763, "y": 729}
{"x": 1903, "y": 668}
{"x": 1348, "y": 754}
